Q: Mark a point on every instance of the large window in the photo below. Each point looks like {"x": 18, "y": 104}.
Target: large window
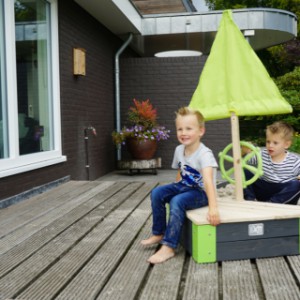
{"x": 30, "y": 109}
{"x": 32, "y": 26}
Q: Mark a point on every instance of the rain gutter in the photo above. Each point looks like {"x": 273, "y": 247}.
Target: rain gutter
{"x": 117, "y": 89}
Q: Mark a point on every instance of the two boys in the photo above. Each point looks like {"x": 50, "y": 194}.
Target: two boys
{"x": 195, "y": 182}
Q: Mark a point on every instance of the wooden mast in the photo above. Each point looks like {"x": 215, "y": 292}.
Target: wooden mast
{"x": 237, "y": 160}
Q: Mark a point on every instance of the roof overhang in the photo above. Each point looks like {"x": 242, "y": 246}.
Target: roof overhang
{"x": 189, "y": 31}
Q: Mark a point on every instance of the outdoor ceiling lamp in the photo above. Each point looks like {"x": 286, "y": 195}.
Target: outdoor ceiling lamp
{"x": 177, "y": 53}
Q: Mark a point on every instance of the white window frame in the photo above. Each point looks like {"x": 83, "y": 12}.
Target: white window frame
{"x": 15, "y": 163}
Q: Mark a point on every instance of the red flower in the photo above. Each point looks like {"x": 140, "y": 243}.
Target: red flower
{"x": 142, "y": 113}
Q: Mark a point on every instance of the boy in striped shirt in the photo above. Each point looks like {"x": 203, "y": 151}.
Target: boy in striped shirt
{"x": 280, "y": 181}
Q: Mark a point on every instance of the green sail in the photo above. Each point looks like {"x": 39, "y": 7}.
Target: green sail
{"x": 235, "y": 80}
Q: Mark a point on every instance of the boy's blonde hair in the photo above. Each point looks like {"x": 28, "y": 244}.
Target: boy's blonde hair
{"x": 285, "y": 130}
{"x": 185, "y": 111}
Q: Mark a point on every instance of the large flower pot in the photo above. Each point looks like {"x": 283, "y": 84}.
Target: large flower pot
{"x": 141, "y": 149}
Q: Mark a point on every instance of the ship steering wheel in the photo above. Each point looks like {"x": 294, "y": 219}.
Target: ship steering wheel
{"x": 257, "y": 171}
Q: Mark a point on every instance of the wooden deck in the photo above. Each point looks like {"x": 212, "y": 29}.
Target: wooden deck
{"x": 81, "y": 241}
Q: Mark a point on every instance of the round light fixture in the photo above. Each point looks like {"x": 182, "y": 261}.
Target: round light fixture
{"x": 177, "y": 53}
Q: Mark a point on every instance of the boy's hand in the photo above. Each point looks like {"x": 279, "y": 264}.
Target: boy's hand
{"x": 213, "y": 216}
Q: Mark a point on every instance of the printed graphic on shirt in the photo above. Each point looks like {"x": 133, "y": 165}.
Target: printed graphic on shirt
{"x": 190, "y": 176}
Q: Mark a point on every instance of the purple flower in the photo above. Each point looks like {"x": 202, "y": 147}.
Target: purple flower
{"x": 141, "y": 133}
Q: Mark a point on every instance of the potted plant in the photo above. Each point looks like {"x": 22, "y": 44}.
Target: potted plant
{"x": 143, "y": 132}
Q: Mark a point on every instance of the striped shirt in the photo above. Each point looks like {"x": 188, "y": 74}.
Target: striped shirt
{"x": 287, "y": 170}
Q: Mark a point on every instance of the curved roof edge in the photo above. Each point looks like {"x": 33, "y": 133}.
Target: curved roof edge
{"x": 191, "y": 30}
{"x": 196, "y": 31}
{"x": 252, "y": 18}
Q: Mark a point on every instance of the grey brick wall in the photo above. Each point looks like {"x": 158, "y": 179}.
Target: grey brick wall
{"x": 87, "y": 100}
{"x": 169, "y": 83}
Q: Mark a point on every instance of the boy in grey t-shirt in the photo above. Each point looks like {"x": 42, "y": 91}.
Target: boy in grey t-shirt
{"x": 194, "y": 186}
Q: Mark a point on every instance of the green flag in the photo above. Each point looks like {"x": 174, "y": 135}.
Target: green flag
{"x": 235, "y": 80}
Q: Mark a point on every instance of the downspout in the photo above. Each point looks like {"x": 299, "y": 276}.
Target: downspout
{"x": 117, "y": 90}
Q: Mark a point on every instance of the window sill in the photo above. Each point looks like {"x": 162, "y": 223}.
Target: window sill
{"x": 32, "y": 166}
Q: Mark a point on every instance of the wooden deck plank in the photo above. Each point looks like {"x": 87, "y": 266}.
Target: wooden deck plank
{"x": 294, "y": 262}
{"x": 164, "y": 279}
{"x": 91, "y": 279}
{"x": 127, "y": 279}
{"x": 238, "y": 281}
{"x": 24, "y": 274}
{"x": 69, "y": 202}
{"x": 202, "y": 281}
{"x": 91, "y": 200}
{"x": 27, "y": 210}
{"x": 277, "y": 280}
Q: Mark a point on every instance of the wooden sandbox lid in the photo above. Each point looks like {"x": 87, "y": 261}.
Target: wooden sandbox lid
{"x": 232, "y": 211}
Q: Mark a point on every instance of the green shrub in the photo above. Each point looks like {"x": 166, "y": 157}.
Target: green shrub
{"x": 296, "y": 144}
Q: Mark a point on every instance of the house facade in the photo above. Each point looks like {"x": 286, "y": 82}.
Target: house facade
{"x": 49, "y": 114}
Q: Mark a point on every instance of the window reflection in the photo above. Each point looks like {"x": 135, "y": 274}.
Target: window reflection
{"x": 33, "y": 75}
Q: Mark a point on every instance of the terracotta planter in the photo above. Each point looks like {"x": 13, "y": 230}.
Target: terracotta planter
{"x": 141, "y": 149}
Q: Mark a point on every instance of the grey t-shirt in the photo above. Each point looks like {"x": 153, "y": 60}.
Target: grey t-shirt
{"x": 190, "y": 166}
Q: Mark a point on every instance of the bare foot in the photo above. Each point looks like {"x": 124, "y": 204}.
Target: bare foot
{"x": 154, "y": 239}
{"x": 162, "y": 255}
